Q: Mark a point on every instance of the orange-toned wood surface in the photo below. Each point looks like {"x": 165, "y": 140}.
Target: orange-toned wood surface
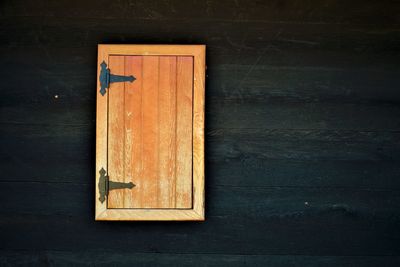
{"x": 150, "y": 124}
{"x": 133, "y": 129}
{"x": 167, "y": 126}
{"x": 184, "y": 131}
{"x": 116, "y": 125}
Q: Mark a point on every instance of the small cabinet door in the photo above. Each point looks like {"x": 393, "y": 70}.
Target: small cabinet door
{"x": 150, "y": 132}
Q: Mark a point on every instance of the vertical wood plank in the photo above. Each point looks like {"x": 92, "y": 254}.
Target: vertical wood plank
{"x": 148, "y": 186}
{"x": 133, "y": 131}
{"x": 198, "y": 131}
{"x": 101, "y": 132}
{"x": 116, "y": 133}
{"x": 184, "y": 132}
{"x": 167, "y": 132}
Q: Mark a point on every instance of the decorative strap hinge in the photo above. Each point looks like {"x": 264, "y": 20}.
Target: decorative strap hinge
{"x": 106, "y": 78}
{"x": 105, "y": 185}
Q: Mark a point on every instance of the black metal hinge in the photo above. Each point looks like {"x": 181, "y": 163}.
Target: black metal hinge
{"x": 105, "y": 185}
{"x": 106, "y": 78}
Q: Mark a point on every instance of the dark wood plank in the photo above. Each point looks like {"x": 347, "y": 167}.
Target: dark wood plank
{"x": 354, "y": 80}
{"x": 107, "y": 258}
{"x": 277, "y": 115}
{"x": 304, "y": 173}
{"x": 234, "y": 172}
{"x": 252, "y": 113}
{"x": 223, "y": 200}
{"x": 234, "y": 156}
{"x": 266, "y": 43}
{"x": 302, "y": 133}
{"x": 313, "y": 11}
{"x": 274, "y": 221}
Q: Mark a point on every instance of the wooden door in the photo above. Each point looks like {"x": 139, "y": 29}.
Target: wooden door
{"x": 154, "y": 130}
{"x": 146, "y": 117}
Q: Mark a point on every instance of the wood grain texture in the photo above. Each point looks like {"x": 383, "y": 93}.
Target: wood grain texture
{"x": 84, "y": 258}
{"x": 152, "y": 133}
{"x": 167, "y": 148}
{"x": 133, "y": 130}
{"x": 198, "y": 132}
{"x": 148, "y": 186}
{"x": 184, "y": 128}
{"x": 101, "y": 133}
{"x": 280, "y": 212}
{"x": 302, "y": 105}
{"x": 116, "y": 132}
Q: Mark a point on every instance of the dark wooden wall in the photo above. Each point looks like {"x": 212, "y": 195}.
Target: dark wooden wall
{"x": 303, "y": 133}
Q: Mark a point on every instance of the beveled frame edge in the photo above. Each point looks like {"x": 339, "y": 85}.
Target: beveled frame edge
{"x": 197, "y": 213}
{"x": 149, "y": 215}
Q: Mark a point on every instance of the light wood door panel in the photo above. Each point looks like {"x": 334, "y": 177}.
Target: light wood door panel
{"x": 150, "y": 132}
{"x": 116, "y": 125}
{"x": 184, "y": 131}
{"x": 167, "y": 127}
{"x": 133, "y": 129}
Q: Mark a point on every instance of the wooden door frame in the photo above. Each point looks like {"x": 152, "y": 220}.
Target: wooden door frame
{"x": 196, "y": 213}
